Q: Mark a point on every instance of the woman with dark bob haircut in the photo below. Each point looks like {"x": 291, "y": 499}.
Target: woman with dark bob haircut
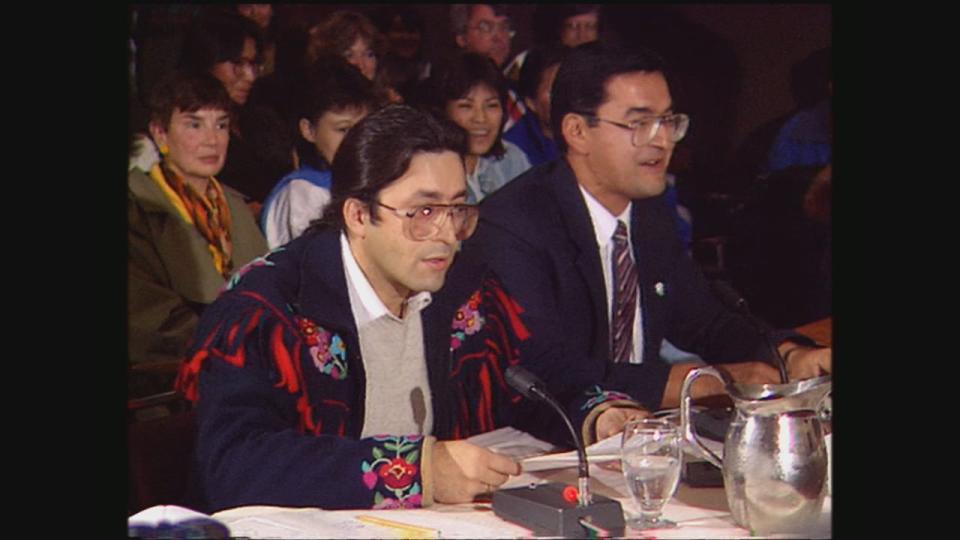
{"x": 227, "y": 46}
{"x": 187, "y": 233}
{"x": 470, "y": 91}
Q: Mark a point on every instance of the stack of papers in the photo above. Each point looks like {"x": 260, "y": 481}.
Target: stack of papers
{"x": 537, "y": 455}
{"x": 599, "y": 452}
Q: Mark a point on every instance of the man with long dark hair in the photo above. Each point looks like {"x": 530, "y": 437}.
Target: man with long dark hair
{"x": 336, "y": 373}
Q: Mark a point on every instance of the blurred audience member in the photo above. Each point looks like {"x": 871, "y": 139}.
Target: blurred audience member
{"x": 354, "y": 37}
{"x": 470, "y": 91}
{"x": 532, "y": 132}
{"x": 580, "y": 24}
{"x": 568, "y": 25}
{"x": 806, "y": 139}
{"x": 187, "y": 233}
{"x": 228, "y": 46}
{"x": 486, "y": 29}
{"x": 404, "y": 65}
{"x": 335, "y": 97}
{"x": 262, "y": 16}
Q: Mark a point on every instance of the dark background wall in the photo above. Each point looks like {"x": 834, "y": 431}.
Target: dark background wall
{"x": 767, "y": 40}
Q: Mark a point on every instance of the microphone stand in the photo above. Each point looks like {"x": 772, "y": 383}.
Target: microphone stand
{"x": 583, "y": 467}
{"x": 546, "y": 509}
{"x": 738, "y": 303}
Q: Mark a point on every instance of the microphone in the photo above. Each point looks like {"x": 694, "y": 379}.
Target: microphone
{"x": 732, "y": 299}
{"x": 532, "y": 388}
{"x": 548, "y": 509}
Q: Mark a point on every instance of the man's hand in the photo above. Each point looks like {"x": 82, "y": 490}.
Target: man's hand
{"x": 612, "y": 420}
{"x": 807, "y": 363}
{"x": 750, "y": 373}
{"x": 462, "y": 470}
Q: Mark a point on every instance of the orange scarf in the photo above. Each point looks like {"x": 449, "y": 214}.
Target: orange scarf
{"x": 210, "y": 214}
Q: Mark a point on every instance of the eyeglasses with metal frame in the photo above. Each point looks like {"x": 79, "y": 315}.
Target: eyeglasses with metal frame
{"x": 425, "y": 221}
{"x": 645, "y": 129}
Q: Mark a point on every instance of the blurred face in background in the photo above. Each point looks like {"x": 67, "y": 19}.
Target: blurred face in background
{"x": 404, "y": 40}
{"x": 487, "y": 34}
{"x": 237, "y": 75}
{"x": 540, "y": 104}
{"x": 328, "y": 131}
{"x": 480, "y": 113}
{"x": 362, "y": 56}
{"x": 580, "y": 29}
{"x": 258, "y": 13}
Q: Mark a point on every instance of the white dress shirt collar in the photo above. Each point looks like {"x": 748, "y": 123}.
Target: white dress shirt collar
{"x": 604, "y": 223}
{"x": 364, "y": 301}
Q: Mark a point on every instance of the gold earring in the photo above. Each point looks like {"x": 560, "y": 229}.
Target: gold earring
{"x": 164, "y": 149}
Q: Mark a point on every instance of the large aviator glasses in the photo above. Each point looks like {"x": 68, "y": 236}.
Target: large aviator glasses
{"x": 645, "y": 129}
{"x": 424, "y": 222}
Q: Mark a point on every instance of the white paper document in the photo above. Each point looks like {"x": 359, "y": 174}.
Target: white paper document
{"x": 599, "y": 452}
{"x": 512, "y": 442}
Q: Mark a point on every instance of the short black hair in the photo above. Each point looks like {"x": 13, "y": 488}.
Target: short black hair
{"x": 536, "y": 62}
{"x": 377, "y": 151}
{"x": 581, "y": 83}
{"x": 330, "y": 84}
{"x": 453, "y": 78}
{"x": 188, "y": 92}
{"x": 216, "y": 37}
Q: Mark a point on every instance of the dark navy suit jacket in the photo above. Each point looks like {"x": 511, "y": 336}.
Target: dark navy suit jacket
{"x": 537, "y": 236}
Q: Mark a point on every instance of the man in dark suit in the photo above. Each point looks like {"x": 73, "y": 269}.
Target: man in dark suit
{"x": 566, "y": 235}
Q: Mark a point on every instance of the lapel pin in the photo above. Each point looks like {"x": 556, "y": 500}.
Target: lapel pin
{"x": 658, "y": 287}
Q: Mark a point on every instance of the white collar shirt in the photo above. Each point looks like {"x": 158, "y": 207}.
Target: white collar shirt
{"x": 604, "y": 225}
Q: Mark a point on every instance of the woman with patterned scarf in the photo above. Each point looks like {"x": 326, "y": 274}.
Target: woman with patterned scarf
{"x": 187, "y": 233}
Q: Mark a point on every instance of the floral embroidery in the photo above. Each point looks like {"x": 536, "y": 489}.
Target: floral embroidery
{"x": 467, "y": 321}
{"x": 259, "y": 261}
{"x": 327, "y": 350}
{"x": 395, "y": 467}
{"x": 600, "y": 396}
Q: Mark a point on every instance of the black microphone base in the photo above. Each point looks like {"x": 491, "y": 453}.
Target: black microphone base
{"x": 542, "y": 509}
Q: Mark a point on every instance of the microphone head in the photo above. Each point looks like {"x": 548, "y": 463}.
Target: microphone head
{"x": 524, "y": 382}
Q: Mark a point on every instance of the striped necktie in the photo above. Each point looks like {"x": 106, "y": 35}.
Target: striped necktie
{"x": 624, "y": 295}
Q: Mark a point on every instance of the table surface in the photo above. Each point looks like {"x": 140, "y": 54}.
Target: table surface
{"x": 698, "y": 512}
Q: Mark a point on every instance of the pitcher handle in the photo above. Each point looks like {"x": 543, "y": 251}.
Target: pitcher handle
{"x": 688, "y": 431}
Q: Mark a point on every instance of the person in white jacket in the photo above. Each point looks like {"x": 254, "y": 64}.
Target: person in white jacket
{"x": 334, "y": 98}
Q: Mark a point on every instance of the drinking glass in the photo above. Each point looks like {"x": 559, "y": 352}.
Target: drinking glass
{"x": 650, "y": 455}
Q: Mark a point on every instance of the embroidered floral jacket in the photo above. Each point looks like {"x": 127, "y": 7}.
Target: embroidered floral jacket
{"x": 279, "y": 387}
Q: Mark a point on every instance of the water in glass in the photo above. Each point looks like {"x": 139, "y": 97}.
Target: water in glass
{"x": 650, "y": 455}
